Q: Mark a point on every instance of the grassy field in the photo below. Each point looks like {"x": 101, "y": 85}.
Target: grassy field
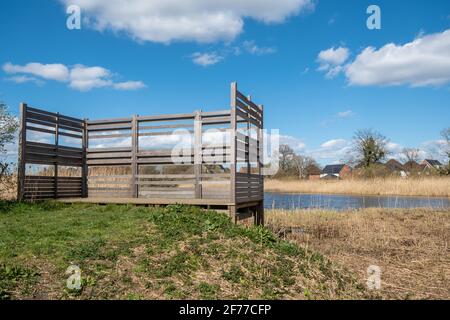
{"x": 410, "y": 246}
{"x": 128, "y": 252}
{"x": 429, "y": 186}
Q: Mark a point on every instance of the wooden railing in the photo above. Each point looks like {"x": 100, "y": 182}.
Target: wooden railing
{"x": 199, "y": 155}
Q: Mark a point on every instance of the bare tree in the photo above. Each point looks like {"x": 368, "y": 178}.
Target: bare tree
{"x": 370, "y": 147}
{"x": 8, "y": 128}
{"x": 286, "y": 156}
{"x": 411, "y": 154}
{"x": 298, "y": 163}
{"x": 446, "y": 136}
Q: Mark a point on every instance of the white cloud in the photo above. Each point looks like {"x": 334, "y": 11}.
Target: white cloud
{"x": 422, "y": 62}
{"x": 332, "y": 151}
{"x": 129, "y": 85}
{"x": 78, "y": 77}
{"x": 206, "y": 59}
{"x": 252, "y": 48}
{"x": 86, "y": 78}
{"x": 188, "y": 20}
{"x": 295, "y": 143}
{"x": 334, "y": 143}
{"x": 333, "y": 56}
{"x": 331, "y": 61}
{"x": 57, "y": 72}
{"x": 25, "y": 79}
{"x": 346, "y": 114}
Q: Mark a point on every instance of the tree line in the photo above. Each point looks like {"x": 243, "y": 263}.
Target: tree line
{"x": 369, "y": 150}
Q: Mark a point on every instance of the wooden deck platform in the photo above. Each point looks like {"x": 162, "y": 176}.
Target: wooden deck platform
{"x": 123, "y": 160}
{"x": 150, "y": 201}
{"x": 237, "y": 212}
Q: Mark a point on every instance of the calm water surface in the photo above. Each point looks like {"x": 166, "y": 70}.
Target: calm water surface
{"x": 341, "y": 202}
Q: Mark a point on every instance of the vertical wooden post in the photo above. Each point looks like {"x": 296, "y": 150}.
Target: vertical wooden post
{"x": 248, "y": 153}
{"x": 233, "y": 127}
{"x": 57, "y": 153}
{"x": 198, "y": 153}
{"x": 22, "y": 152}
{"x": 134, "y": 150}
{"x": 260, "y": 155}
{"x": 84, "y": 168}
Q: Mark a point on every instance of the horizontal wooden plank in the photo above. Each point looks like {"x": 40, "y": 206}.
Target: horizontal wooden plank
{"x": 165, "y": 176}
{"x": 51, "y": 121}
{"x": 167, "y": 117}
{"x": 106, "y": 155}
{"x": 167, "y": 193}
{"x": 244, "y": 117}
{"x": 169, "y": 189}
{"x": 243, "y": 98}
{"x": 109, "y": 127}
{"x": 52, "y": 146}
{"x": 36, "y": 110}
{"x": 108, "y": 162}
{"x": 54, "y": 151}
{"x": 250, "y": 111}
{"x": 93, "y": 189}
{"x": 166, "y": 133}
{"x": 175, "y": 182}
{"x": 219, "y": 113}
{"x": 101, "y": 150}
{"x": 103, "y": 177}
{"x": 166, "y": 160}
{"x": 109, "y": 183}
{"x": 164, "y": 153}
{"x": 215, "y": 175}
{"x": 109, "y": 121}
{"x": 215, "y": 182}
{"x": 42, "y": 130}
{"x": 216, "y": 120}
{"x": 71, "y": 135}
{"x": 167, "y": 126}
{"x": 109, "y": 136}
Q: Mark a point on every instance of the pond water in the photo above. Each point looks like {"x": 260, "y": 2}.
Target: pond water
{"x": 342, "y": 202}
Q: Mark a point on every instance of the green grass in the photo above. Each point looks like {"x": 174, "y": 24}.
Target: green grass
{"x": 178, "y": 252}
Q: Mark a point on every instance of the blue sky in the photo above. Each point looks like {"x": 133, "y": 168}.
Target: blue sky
{"x": 308, "y": 62}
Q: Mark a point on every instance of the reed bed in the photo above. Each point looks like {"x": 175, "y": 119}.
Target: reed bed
{"x": 428, "y": 186}
{"x": 411, "y": 246}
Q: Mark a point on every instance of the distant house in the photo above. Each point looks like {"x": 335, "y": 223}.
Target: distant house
{"x": 413, "y": 167}
{"x": 336, "y": 171}
{"x": 313, "y": 172}
{"x": 431, "y": 164}
{"x": 396, "y": 167}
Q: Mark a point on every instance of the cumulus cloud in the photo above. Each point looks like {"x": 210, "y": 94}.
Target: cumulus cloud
{"x": 422, "y": 62}
{"x": 332, "y": 151}
{"x": 189, "y": 20}
{"x": 331, "y": 61}
{"x": 206, "y": 59}
{"x": 78, "y": 77}
{"x": 57, "y": 72}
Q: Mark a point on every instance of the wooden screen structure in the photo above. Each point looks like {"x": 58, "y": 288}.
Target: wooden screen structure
{"x": 209, "y": 158}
